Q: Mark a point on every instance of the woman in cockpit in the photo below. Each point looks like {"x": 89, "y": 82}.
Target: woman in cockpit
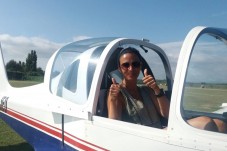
{"x": 143, "y": 105}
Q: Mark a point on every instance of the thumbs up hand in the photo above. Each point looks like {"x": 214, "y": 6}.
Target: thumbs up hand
{"x": 149, "y": 81}
{"x": 114, "y": 89}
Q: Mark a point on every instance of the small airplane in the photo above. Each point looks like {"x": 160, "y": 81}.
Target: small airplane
{"x": 68, "y": 110}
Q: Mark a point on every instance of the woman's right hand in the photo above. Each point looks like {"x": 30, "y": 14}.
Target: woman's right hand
{"x": 114, "y": 89}
{"x": 113, "y": 103}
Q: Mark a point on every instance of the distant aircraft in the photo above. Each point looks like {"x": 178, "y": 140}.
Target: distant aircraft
{"x": 68, "y": 110}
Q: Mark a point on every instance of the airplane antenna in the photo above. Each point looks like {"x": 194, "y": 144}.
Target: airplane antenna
{"x": 146, "y": 40}
{"x": 145, "y": 50}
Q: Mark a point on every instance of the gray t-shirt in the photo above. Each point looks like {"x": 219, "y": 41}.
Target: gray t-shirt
{"x": 140, "y": 111}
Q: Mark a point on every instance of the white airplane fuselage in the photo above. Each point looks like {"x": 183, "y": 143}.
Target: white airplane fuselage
{"x": 66, "y": 111}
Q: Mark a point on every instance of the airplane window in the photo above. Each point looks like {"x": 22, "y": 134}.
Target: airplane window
{"x": 71, "y": 79}
{"x": 205, "y": 88}
{"x": 62, "y": 61}
{"x": 75, "y": 81}
{"x": 67, "y": 54}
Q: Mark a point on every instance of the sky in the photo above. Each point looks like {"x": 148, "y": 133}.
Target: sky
{"x": 47, "y": 25}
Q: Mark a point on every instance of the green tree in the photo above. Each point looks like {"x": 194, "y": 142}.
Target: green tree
{"x": 11, "y": 65}
{"x": 15, "y": 70}
{"x": 31, "y": 62}
{"x": 22, "y": 70}
{"x": 40, "y": 72}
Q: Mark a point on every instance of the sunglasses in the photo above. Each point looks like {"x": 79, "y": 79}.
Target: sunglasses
{"x": 135, "y": 64}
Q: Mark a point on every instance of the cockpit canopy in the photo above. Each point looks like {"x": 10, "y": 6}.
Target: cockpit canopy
{"x": 73, "y": 68}
{"x": 80, "y": 69}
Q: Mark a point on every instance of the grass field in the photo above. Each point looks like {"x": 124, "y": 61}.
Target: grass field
{"x": 204, "y": 99}
{"x": 23, "y": 83}
{"x": 9, "y": 139}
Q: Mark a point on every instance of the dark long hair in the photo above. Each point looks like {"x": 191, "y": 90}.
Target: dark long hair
{"x": 129, "y": 50}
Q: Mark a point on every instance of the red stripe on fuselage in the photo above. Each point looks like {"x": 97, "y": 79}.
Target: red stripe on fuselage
{"x": 35, "y": 123}
{"x": 86, "y": 142}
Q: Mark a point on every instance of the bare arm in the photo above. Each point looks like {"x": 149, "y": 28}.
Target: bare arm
{"x": 161, "y": 103}
{"x": 114, "y": 104}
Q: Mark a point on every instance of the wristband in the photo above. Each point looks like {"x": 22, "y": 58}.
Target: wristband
{"x": 161, "y": 93}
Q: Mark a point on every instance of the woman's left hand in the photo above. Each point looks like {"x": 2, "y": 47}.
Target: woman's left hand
{"x": 149, "y": 81}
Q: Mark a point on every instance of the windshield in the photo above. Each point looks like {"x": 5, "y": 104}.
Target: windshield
{"x": 69, "y": 52}
{"x": 72, "y": 60}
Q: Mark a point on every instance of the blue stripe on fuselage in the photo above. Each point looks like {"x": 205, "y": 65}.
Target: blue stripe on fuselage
{"x": 39, "y": 140}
